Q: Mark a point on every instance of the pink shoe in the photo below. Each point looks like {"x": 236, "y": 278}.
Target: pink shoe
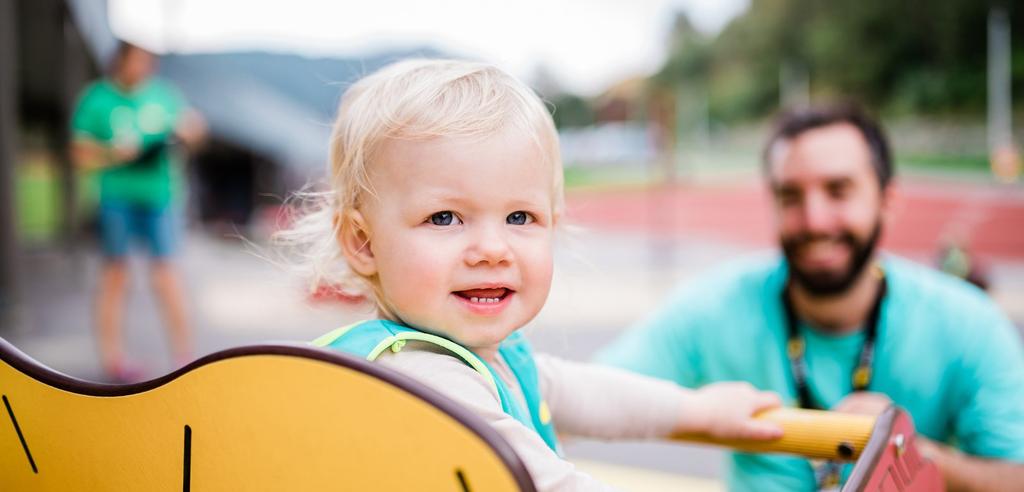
{"x": 125, "y": 373}
{"x": 182, "y": 361}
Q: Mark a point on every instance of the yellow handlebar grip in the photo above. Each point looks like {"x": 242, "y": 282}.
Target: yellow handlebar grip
{"x": 813, "y": 434}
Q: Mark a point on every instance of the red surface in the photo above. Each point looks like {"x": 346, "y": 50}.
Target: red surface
{"x": 991, "y": 218}
{"x": 903, "y": 470}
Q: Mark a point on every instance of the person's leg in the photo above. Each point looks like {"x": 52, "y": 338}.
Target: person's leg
{"x": 113, "y": 282}
{"x": 161, "y": 233}
{"x": 171, "y": 296}
{"x": 109, "y": 309}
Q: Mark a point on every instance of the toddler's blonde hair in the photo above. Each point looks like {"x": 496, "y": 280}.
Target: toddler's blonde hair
{"x": 411, "y": 99}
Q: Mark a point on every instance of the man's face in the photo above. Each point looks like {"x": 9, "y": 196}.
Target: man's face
{"x": 828, "y": 205}
{"x": 136, "y": 65}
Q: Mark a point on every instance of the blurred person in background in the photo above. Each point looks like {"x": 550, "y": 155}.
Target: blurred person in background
{"x": 834, "y": 324}
{"x": 130, "y": 128}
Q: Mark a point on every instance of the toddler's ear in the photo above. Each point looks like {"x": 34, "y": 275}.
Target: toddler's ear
{"x": 354, "y": 240}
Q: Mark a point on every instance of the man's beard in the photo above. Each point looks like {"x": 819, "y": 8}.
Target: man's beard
{"x": 830, "y": 284}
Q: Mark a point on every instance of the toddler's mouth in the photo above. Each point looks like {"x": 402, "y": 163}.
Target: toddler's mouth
{"x": 484, "y": 296}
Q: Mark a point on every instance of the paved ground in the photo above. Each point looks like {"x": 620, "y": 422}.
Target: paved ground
{"x": 609, "y": 274}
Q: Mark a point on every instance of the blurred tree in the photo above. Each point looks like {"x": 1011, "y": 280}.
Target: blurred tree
{"x": 917, "y": 56}
{"x": 689, "y": 55}
{"x": 570, "y": 110}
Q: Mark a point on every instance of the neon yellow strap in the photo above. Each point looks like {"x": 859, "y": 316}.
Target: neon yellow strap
{"x": 329, "y": 337}
{"x": 459, "y": 350}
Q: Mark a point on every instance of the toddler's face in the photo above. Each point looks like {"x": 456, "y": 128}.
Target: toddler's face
{"x": 460, "y": 233}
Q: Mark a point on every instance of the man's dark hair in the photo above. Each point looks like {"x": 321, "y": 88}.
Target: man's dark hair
{"x": 792, "y": 124}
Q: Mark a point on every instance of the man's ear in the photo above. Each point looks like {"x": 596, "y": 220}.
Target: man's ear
{"x": 354, "y": 241}
{"x": 892, "y": 202}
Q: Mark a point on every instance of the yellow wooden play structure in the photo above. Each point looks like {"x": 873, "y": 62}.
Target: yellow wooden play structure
{"x": 295, "y": 417}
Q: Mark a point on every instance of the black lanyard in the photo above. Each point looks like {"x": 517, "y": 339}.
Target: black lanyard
{"x": 795, "y": 347}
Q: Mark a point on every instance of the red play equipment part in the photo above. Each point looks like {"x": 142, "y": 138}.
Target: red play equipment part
{"x": 883, "y": 448}
{"x": 891, "y": 462}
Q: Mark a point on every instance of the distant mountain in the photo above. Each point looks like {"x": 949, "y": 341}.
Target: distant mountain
{"x": 315, "y": 82}
{"x": 279, "y": 104}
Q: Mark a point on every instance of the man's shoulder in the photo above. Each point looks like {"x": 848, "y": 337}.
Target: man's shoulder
{"x": 939, "y": 307}
{"x": 98, "y": 86}
{"x": 738, "y": 277}
{"x": 738, "y": 287}
{"x": 96, "y": 92}
{"x": 940, "y": 291}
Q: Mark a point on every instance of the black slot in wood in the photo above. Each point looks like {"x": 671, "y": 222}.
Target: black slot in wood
{"x": 17, "y": 428}
{"x": 462, "y": 480}
{"x": 186, "y": 477}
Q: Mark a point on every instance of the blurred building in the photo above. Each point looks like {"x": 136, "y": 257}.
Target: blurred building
{"x": 269, "y": 114}
{"x": 269, "y": 117}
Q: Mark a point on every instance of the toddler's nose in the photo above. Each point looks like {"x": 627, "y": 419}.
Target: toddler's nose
{"x": 490, "y": 246}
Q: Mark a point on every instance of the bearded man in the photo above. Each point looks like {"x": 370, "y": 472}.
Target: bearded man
{"x": 836, "y": 324}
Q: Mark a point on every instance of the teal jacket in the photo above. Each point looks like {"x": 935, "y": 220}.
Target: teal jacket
{"x": 369, "y": 339}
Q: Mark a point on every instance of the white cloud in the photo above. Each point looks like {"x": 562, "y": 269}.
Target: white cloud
{"x": 587, "y": 44}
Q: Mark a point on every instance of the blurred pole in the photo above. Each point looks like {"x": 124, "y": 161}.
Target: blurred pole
{"x": 704, "y": 117}
{"x": 1004, "y": 158}
{"x": 664, "y": 113}
{"x": 693, "y": 129}
{"x": 998, "y": 79}
{"x": 682, "y": 160}
{"x": 73, "y": 70}
{"x": 794, "y": 85}
{"x": 8, "y": 134}
{"x": 668, "y": 116}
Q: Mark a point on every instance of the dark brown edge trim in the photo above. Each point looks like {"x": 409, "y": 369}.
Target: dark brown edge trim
{"x": 872, "y": 453}
{"x": 30, "y": 367}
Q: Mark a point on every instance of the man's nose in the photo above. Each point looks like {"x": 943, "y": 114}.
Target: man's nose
{"x": 489, "y": 247}
{"x": 818, "y": 213}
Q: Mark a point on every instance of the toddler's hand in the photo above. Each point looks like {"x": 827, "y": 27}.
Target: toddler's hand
{"x": 726, "y": 410}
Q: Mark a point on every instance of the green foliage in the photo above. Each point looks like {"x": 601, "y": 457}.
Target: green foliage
{"x": 570, "y": 110}
{"x": 978, "y": 164}
{"x": 901, "y": 56}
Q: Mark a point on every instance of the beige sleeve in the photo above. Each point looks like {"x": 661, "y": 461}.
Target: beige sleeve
{"x": 608, "y": 403}
{"x": 459, "y": 382}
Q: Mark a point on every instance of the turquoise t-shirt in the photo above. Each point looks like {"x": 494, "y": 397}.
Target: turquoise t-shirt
{"x": 146, "y": 115}
{"x": 945, "y": 353}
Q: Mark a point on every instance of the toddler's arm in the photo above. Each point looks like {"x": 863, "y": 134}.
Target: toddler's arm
{"x": 606, "y": 402}
{"x": 462, "y": 384}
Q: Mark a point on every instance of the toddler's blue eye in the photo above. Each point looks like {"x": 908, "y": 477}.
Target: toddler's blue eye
{"x": 444, "y": 218}
{"x": 519, "y": 218}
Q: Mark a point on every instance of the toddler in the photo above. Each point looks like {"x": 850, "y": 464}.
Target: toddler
{"x": 446, "y": 195}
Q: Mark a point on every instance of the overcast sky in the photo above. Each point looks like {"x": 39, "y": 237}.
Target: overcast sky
{"x": 586, "y": 44}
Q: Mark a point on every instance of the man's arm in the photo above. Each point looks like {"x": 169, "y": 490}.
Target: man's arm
{"x": 191, "y": 129}
{"x": 965, "y": 473}
{"x": 962, "y": 472}
{"x": 88, "y": 153}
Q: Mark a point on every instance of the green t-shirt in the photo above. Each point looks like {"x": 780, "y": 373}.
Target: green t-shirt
{"x": 945, "y": 353}
{"x": 144, "y": 116}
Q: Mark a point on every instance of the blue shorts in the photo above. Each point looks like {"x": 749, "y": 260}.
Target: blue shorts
{"x": 121, "y": 222}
